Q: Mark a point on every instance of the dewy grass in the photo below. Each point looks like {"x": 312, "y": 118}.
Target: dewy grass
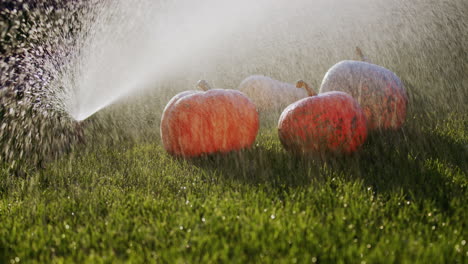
{"x": 395, "y": 202}
{"x": 119, "y": 197}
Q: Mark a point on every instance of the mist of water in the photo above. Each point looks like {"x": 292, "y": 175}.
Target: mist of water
{"x": 130, "y": 45}
{"x": 79, "y": 57}
{"x": 133, "y": 43}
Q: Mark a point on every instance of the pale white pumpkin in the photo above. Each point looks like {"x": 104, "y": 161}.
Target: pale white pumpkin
{"x": 270, "y": 94}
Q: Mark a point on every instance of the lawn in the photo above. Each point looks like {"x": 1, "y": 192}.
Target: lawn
{"x": 402, "y": 199}
{"x": 118, "y": 197}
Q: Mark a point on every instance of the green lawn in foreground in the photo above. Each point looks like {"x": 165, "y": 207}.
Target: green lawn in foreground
{"x": 402, "y": 199}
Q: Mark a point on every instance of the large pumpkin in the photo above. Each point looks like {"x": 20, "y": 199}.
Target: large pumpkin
{"x": 210, "y": 121}
{"x": 270, "y": 94}
{"x": 378, "y": 90}
{"x": 328, "y": 123}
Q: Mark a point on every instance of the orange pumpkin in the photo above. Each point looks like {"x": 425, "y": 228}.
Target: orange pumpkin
{"x": 328, "y": 123}
{"x": 378, "y": 90}
{"x": 210, "y": 121}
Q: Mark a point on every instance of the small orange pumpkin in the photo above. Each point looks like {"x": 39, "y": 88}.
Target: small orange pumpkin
{"x": 378, "y": 90}
{"x": 328, "y": 123}
{"x": 209, "y": 121}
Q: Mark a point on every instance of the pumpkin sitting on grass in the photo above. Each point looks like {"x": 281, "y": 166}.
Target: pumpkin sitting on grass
{"x": 328, "y": 123}
{"x": 378, "y": 90}
{"x": 269, "y": 94}
{"x": 195, "y": 123}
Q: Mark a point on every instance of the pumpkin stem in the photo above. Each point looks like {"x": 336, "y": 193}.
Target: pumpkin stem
{"x": 203, "y": 85}
{"x": 361, "y": 55}
{"x": 302, "y": 84}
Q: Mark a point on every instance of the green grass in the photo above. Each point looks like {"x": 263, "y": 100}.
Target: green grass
{"x": 402, "y": 199}
{"x": 120, "y": 198}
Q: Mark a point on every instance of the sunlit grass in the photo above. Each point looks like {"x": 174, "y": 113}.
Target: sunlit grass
{"x": 119, "y": 197}
{"x": 399, "y": 200}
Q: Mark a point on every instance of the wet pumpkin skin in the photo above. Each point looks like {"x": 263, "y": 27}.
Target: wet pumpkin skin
{"x": 378, "y": 90}
{"x": 330, "y": 123}
{"x": 269, "y": 94}
{"x": 195, "y": 123}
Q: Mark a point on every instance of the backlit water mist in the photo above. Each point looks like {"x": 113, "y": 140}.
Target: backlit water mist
{"x": 62, "y": 59}
{"x": 132, "y": 45}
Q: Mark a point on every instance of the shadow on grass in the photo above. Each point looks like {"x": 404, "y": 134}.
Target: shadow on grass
{"x": 419, "y": 163}
{"x": 261, "y": 165}
{"x": 389, "y": 162}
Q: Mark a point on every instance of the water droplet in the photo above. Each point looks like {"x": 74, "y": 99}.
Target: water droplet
{"x": 203, "y": 219}
{"x": 272, "y": 216}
